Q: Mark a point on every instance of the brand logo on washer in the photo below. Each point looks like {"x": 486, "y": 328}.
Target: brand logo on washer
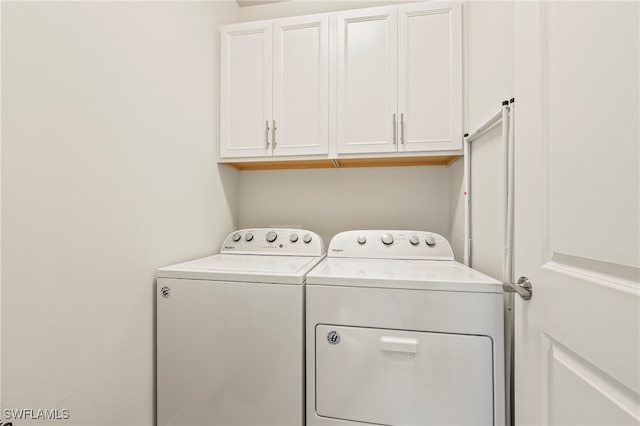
{"x": 333, "y": 337}
{"x": 166, "y": 292}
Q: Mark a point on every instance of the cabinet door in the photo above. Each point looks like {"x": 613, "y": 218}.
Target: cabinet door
{"x": 301, "y": 86}
{"x": 366, "y": 80}
{"x": 430, "y": 76}
{"x": 245, "y": 89}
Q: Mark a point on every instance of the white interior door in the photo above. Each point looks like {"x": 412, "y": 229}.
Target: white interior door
{"x": 577, "y": 235}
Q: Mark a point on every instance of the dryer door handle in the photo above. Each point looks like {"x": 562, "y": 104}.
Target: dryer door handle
{"x": 399, "y": 344}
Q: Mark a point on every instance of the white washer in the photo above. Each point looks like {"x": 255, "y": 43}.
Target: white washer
{"x": 230, "y": 331}
{"x": 398, "y": 333}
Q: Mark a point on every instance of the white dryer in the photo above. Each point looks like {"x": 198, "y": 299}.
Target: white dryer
{"x": 230, "y": 331}
{"x": 398, "y": 333}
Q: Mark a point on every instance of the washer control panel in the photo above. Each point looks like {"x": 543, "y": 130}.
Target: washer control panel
{"x": 277, "y": 241}
{"x": 384, "y": 244}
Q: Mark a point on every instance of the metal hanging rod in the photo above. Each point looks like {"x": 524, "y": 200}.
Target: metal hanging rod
{"x": 489, "y": 124}
{"x": 503, "y": 117}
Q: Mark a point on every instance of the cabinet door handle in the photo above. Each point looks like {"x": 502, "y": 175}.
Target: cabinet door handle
{"x": 395, "y": 128}
{"x": 273, "y": 138}
{"x": 402, "y": 128}
{"x": 267, "y": 134}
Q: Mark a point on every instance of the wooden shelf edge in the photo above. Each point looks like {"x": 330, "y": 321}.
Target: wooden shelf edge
{"x": 441, "y": 160}
{"x": 282, "y": 165}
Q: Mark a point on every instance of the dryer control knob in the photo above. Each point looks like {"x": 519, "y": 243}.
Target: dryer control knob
{"x": 248, "y": 237}
{"x": 293, "y": 238}
{"x": 431, "y": 241}
{"x": 236, "y": 237}
{"x": 387, "y": 239}
{"x": 271, "y": 236}
{"x": 306, "y": 238}
{"x": 414, "y": 240}
{"x": 362, "y": 239}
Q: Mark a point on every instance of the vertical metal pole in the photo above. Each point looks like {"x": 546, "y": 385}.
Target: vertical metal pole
{"x": 511, "y": 191}
{"x": 506, "y": 268}
{"x": 505, "y": 151}
{"x": 467, "y": 200}
{"x": 509, "y": 329}
{"x": 510, "y": 194}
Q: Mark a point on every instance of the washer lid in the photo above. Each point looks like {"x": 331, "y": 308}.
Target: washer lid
{"x": 398, "y": 273}
{"x": 244, "y": 268}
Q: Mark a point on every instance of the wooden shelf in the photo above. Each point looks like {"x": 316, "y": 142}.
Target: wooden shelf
{"x": 442, "y": 160}
{"x": 282, "y": 165}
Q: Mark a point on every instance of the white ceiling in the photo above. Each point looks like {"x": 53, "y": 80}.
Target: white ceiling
{"x": 244, "y": 3}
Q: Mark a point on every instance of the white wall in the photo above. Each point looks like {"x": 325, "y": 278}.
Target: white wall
{"x": 109, "y": 123}
{"x": 329, "y": 201}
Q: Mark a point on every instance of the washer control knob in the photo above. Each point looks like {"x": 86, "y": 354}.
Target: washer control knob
{"x": 431, "y": 241}
{"x": 414, "y": 240}
{"x": 236, "y": 237}
{"x": 362, "y": 239}
{"x": 387, "y": 239}
{"x": 248, "y": 237}
{"x": 271, "y": 236}
{"x": 293, "y": 238}
{"x": 306, "y": 238}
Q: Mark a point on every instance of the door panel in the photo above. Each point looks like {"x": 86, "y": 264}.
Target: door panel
{"x": 301, "y": 85}
{"x": 245, "y": 89}
{"x": 430, "y": 76}
{"x": 602, "y": 155}
{"x": 577, "y": 208}
{"x": 595, "y": 398}
{"x": 366, "y": 80}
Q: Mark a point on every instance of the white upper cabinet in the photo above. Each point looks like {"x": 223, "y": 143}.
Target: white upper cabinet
{"x": 430, "y": 76}
{"x": 274, "y": 88}
{"x": 350, "y": 87}
{"x": 301, "y": 86}
{"x": 367, "y": 80}
{"x": 245, "y": 89}
{"x": 399, "y": 78}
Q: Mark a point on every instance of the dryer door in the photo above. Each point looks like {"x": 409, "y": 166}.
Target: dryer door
{"x": 396, "y": 377}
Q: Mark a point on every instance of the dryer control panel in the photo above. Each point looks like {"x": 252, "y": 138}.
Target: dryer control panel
{"x": 276, "y": 241}
{"x": 385, "y": 244}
